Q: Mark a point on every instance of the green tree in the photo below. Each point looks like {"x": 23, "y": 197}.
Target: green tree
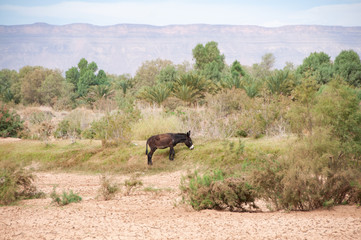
{"x": 7, "y": 79}
{"x": 263, "y": 69}
{"x": 51, "y": 88}
{"x": 237, "y": 70}
{"x": 83, "y": 65}
{"x": 338, "y": 108}
{"x": 92, "y": 67}
{"x": 86, "y": 80}
{"x": 268, "y": 61}
{"x": 167, "y": 75}
{"x": 85, "y": 76}
{"x": 301, "y": 114}
{"x": 102, "y": 78}
{"x": 31, "y": 85}
{"x": 147, "y": 73}
{"x": 317, "y": 65}
{"x": 207, "y": 54}
{"x": 212, "y": 71}
{"x": 348, "y": 65}
{"x": 72, "y": 76}
{"x": 234, "y": 79}
{"x": 209, "y": 60}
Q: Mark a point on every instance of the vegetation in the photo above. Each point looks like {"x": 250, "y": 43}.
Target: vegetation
{"x": 217, "y": 191}
{"x": 10, "y": 123}
{"x": 291, "y": 136}
{"x": 16, "y": 184}
{"x": 107, "y": 188}
{"x": 132, "y": 184}
{"x": 66, "y": 198}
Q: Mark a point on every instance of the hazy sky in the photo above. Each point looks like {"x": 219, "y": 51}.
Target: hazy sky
{"x": 267, "y": 13}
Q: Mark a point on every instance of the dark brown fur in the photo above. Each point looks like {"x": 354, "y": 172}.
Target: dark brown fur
{"x": 166, "y": 140}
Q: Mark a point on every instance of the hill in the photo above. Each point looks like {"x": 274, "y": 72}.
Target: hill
{"x": 122, "y": 48}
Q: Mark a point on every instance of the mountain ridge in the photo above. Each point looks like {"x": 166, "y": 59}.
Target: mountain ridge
{"x": 122, "y": 48}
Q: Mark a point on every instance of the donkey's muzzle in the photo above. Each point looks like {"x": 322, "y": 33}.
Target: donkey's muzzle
{"x": 191, "y": 147}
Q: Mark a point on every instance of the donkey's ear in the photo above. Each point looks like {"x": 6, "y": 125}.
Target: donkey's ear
{"x": 189, "y": 133}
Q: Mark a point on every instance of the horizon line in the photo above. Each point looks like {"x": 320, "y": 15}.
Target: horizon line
{"x": 170, "y": 25}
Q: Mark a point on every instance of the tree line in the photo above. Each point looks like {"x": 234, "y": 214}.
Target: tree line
{"x": 158, "y": 80}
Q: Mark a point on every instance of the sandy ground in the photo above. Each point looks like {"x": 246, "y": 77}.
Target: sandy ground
{"x": 156, "y": 215}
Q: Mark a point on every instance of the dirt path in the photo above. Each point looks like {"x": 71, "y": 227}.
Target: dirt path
{"x": 154, "y": 215}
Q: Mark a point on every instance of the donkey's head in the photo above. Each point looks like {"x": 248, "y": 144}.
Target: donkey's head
{"x": 188, "y": 142}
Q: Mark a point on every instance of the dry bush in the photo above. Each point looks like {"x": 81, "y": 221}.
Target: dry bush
{"x": 107, "y": 189}
{"x": 132, "y": 184}
{"x": 105, "y": 105}
{"x": 115, "y": 129}
{"x": 228, "y": 113}
{"x": 204, "y": 122}
{"x": 265, "y": 116}
{"x": 217, "y": 191}
{"x": 232, "y": 113}
{"x": 83, "y": 117}
{"x": 312, "y": 174}
{"x": 233, "y": 194}
{"x": 39, "y": 122}
{"x": 155, "y": 121}
{"x": 16, "y": 184}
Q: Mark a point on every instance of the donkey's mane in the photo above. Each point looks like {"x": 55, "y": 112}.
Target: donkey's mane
{"x": 180, "y": 137}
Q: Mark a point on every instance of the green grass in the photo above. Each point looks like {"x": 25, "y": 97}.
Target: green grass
{"x": 89, "y": 156}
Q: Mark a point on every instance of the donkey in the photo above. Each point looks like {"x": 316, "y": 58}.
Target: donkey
{"x": 167, "y": 140}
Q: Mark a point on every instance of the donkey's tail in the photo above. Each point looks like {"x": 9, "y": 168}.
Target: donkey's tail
{"x": 146, "y": 148}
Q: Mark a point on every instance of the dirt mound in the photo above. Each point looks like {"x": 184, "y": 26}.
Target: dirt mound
{"x": 155, "y": 214}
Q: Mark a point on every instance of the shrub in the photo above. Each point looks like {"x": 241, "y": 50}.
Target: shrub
{"x": 65, "y": 198}
{"x": 114, "y": 129}
{"x": 233, "y": 113}
{"x": 154, "y": 124}
{"x": 10, "y": 123}
{"x": 16, "y": 184}
{"x": 131, "y": 184}
{"x": 39, "y": 122}
{"x": 216, "y": 191}
{"x": 311, "y": 175}
{"x": 107, "y": 188}
{"x": 323, "y": 168}
{"x": 37, "y": 116}
{"x": 339, "y": 108}
{"x": 62, "y": 129}
{"x": 67, "y": 128}
{"x": 45, "y": 131}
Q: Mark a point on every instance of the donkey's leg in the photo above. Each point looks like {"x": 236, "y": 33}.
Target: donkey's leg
{"x": 150, "y": 154}
{"x": 171, "y": 153}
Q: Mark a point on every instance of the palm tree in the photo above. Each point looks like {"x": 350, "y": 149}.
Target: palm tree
{"x": 231, "y": 81}
{"x": 191, "y": 87}
{"x": 158, "y": 93}
{"x": 279, "y": 82}
{"x": 251, "y": 86}
{"x": 100, "y": 91}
